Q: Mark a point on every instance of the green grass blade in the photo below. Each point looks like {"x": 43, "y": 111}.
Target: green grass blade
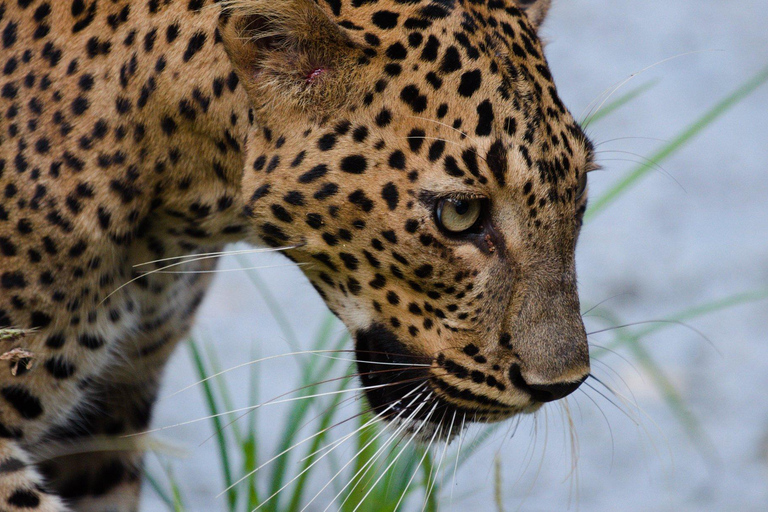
{"x": 431, "y": 498}
{"x": 612, "y": 106}
{"x": 366, "y": 447}
{"x": 469, "y": 450}
{"x": 325, "y": 422}
{"x": 223, "y": 388}
{"x": 671, "y": 396}
{"x": 300, "y": 408}
{"x": 178, "y": 502}
{"x": 213, "y": 409}
{"x": 168, "y": 499}
{"x": 250, "y": 447}
{"x": 676, "y": 144}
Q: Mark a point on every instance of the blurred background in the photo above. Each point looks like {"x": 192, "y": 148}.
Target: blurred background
{"x": 690, "y": 233}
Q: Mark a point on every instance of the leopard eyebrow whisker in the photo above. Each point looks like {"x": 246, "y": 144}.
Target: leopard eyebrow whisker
{"x": 594, "y": 108}
{"x": 460, "y": 132}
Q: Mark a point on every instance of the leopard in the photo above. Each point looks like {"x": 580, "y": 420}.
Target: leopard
{"x": 411, "y": 156}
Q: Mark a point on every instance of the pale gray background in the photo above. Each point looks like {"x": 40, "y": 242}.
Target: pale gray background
{"x": 662, "y": 248}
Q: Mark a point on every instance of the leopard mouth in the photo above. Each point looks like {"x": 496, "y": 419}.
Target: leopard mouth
{"x": 405, "y": 390}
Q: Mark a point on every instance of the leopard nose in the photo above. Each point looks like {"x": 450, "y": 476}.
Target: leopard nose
{"x": 544, "y": 392}
{"x": 552, "y": 392}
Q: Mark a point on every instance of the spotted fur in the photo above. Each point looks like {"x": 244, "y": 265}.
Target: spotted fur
{"x": 133, "y": 131}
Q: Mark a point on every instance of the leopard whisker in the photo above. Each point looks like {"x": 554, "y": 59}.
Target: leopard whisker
{"x": 585, "y": 313}
{"x": 645, "y": 161}
{"x": 608, "y": 141}
{"x": 617, "y": 375}
{"x": 249, "y": 363}
{"x": 608, "y": 423}
{"x": 270, "y": 402}
{"x": 225, "y": 270}
{"x": 440, "y": 462}
{"x": 372, "y": 421}
{"x": 345, "y": 438}
{"x": 221, "y": 253}
{"x": 192, "y": 259}
{"x": 402, "y": 450}
{"x": 430, "y": 480}
{"x": 573, "y": 435}
{"x": 617, "y": 354}
{"x": 623, "y": 411}
{"x": 462, "y": 432}
{"x": 610, "y": 91}
{"x": 675, "y": 322}
{"x": 248, "y": 410}
{"x": 377, "y": 363}
{"x": 642, "y": 412}
{"x": 269, "y": 358}
{"x": 368, "y": 464}
{"x": 397, "y": 440}
{"x": 362, "y": 413}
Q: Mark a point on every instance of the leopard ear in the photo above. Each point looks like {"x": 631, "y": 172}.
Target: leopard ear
{"x": 536, "y": 10}
{"x": 290, "y": 54}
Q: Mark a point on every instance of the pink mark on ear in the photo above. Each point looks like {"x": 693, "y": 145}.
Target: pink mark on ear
{"x": 315, "y": 74}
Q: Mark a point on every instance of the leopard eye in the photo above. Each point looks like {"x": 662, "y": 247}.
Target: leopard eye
{"x": 458, "y": 215}
{"x": 582, "y": 185}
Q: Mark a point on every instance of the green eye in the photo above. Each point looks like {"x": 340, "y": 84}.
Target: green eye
{"x": 458, "y": 215}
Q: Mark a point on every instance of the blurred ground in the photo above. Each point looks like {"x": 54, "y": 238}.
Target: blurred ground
{"x": 667, "y": 245}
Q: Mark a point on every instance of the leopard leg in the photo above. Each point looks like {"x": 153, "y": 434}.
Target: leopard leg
{"x": 36, "y": 393}
{"x": 21, "y": 485}
{"x": 100, "y": 468}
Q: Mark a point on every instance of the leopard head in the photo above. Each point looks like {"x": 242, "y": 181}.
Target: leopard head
{"x": 415, "y": 158}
